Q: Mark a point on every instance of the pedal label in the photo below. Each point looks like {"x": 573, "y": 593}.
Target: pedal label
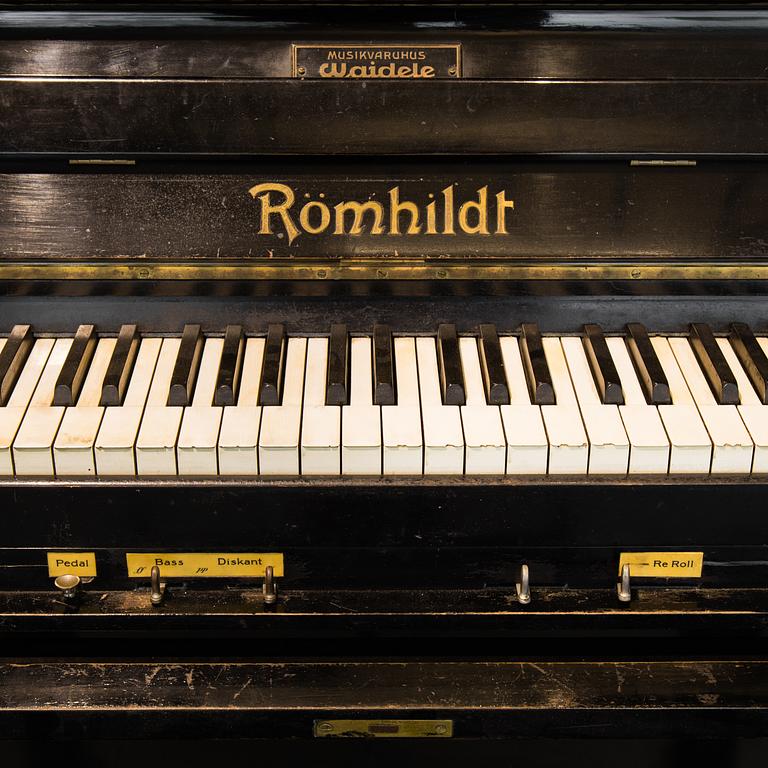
{"x": 663, "y": 565}
{"x": 71, "y": 564}
{"x": 200, "y": 565}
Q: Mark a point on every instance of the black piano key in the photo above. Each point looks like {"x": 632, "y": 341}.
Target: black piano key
{"x": 492, "y": 364}
{"x": 603, "y": 368}
{"x": 751, "y": 357}
{"x": 383, "y": 366}
{"x": 535, "y": 364}
{"x": 647, "y": 365}
{"x": 12, "y": 358}
{"x": 187, "y": 364}
{"x": 75, "y": 367}
{"x": 337, "y": 370}
{"x": 713, "y": 363}
{"x": 120, "y": 366}
{"x": 230, "y": 367}
{"x": 449, "y": 363}
{"x": 270, "y": 390}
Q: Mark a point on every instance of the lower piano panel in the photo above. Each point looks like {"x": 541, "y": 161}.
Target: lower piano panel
{"x": 599, "y": 699}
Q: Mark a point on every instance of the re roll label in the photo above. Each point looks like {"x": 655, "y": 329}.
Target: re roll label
{"x": 663, "y": 565}
{"x": 71, "y": 564}
{"x": 200, "y": 565}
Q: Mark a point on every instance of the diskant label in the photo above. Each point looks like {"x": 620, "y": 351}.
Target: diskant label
{"x": 71, "y": 563}
{"x": 663, "y": 565}
{"x": 236, "y": 565}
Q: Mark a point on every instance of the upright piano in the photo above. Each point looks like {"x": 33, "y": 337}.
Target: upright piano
{"x": 384, "y": 370}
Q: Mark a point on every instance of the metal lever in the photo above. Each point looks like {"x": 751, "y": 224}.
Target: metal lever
{"x": 623, "y": 587}
{"x": 523, "y": 586}
{"x": 69, "y": 585}
{"x": 157, "y": 594}
{"x": 270, "y": 587}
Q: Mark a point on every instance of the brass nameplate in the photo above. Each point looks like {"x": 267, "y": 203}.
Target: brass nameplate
{"x": 663, "y": 565}
{"x": 386, "y": 729}
{"x": 376, "y": 62}
{"x": 204, "y": 564}
{"x": 71, "y": 564}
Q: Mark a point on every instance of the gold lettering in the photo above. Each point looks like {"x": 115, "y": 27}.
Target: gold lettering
{"x": 501, "y": 212}
{"x": 281, "y": 209}
{"x": 358, "y": 212}
{"x": 325, "y": 217}
{"x": 396, "y": 208}
{"x": 481, "y": 208}
{"x": 432, "y": 218}
{"x": 448, "y": 212}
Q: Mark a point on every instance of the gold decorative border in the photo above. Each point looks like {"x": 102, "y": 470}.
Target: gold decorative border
{"x": 324, "y": 46}
{"x": 381, "y": 270}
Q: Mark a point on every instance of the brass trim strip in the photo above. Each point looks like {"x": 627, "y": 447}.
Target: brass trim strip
{"x": 381, "y": 270}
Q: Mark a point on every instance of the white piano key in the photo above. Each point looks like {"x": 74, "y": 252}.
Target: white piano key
{"x": 443, "y": 436}
{"x": 568, "y": 444}
{"x": 690, "y": 446}
{"x": 401, "y": 423}
{"x": 280, "y": 436}
{"x": 608, "y": 442}
{"x": 12, "y": 414}
{"x": 649, "y": 446}
{"x": 196, "y": 448}
{"x": 732, "y": 445}
{"x": 73, "y": 453}
{"x": 320, "y": 423}
{"x": 240, "y": 424}
{"x": 361, "y": 419}
{"x": 116, "y": 441}
{"x": 753, "y": 413}
{"x": 33, "y": 446}
{"x": 156, "y": 443}
{"x": 484, "y": 440}
{"x": 527, "y": 445}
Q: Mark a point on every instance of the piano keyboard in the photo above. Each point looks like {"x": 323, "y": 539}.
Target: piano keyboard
{"x": 523, "y": 404}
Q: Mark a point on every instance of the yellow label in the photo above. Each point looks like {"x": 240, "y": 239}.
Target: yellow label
{"x": 663, "y": 565}
{"x": 71, "y": 563}
{"x": 386, "y": 729}
{"x": 237, "y": 565}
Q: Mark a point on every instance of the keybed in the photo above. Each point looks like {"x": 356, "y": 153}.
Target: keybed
{"x": 336, "y": 404}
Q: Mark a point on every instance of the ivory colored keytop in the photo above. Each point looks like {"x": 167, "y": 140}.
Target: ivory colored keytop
{"x": 197, "y": 447}
{"x": 732, "y": 447}
{"x": 690, "y": 446}
{"x": 568, "y": 444}
{"x": 752, "y": 411}
{"x": 12, "y": 414}
{"x": 401, "y": 423}
{"x": 443, "y": 435}
{"x": 240, "y": 423}
{"x": 608, "y": 442}
{"x": 320, "y": 423}
{"x": 280, "y": 437}
{"x": 33, "y": 446}
{"x": 156, "y": 442}
{"x": 527, "y": 445}
{"x": 116, "y": 441}
{"x": 73, "y": 450}
{"x": 649, "y": 445}
{"x": 484, "y": 441}
{"x": 361, "y": 419}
